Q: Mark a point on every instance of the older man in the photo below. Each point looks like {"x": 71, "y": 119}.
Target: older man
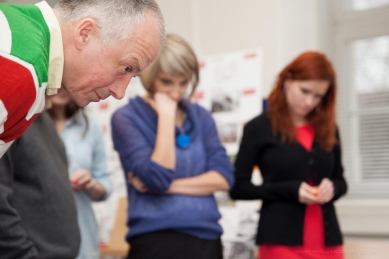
{"x": 91, "y": 48}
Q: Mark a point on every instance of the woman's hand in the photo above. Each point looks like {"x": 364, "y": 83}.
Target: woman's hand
{"x": 307, "y": 194}
{"x": 82, "y": 180}
{"x": 326, "y": 191}
{"x": 162, "y": 104}
{"x": 164, "y": 152}
{"x": 136, "y": 182}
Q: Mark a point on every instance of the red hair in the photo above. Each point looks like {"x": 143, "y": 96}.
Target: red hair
{"x": 308, "y": 66}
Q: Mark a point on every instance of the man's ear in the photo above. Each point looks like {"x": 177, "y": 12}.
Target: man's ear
{"x": 84, "y": 31}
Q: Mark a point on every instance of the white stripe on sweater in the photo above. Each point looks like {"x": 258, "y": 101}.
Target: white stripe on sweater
{"x": 6, "y": 36}
{"x": 3, "y": 116}
{"x": 4, "y": 147}
{"x": 56, "y": 59}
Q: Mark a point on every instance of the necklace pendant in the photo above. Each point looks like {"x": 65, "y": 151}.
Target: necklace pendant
{"x": 183, "y": 141}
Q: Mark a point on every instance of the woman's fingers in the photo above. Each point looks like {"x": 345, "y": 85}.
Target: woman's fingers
{"x": 326, "y": 191}
{"x": 307, "y": 194}
{"x": 137, "y": 183}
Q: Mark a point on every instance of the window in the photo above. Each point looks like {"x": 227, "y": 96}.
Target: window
{"x": 362, "y": 63}
{"x": 365, "y": 115}
{"x": 371, "y": 82}
{"x": 367, "y": 4}
{"x": 361, "y": 57}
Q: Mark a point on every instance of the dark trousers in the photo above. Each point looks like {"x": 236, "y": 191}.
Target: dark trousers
{"x": 173, "y": 245}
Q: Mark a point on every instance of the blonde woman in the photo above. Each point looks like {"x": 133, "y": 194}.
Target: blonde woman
{"x": 173, "y": 161}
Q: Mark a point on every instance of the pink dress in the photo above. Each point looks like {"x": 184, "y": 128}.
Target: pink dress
{"x": 313, "y": 235}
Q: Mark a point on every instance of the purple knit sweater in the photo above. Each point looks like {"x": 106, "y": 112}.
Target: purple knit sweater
{"x": 134, "y": 129}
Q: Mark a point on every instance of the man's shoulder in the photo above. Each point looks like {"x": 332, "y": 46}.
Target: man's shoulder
{"x": 26, "y": 38}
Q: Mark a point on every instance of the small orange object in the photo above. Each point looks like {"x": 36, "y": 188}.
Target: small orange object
{"x": 316, "y": 191}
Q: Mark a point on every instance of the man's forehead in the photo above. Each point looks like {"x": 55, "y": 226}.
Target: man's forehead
{"x": 138, "y": 57}
{"x": 147, "y": 37}
{"x": 141, "y": 49}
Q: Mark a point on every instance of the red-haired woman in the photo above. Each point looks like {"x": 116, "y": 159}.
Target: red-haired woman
{"x": 297, "y": 148}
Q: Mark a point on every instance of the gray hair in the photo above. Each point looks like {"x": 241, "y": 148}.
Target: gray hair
{"x": 176, "y": 58}
{"x": 115, "y": 18}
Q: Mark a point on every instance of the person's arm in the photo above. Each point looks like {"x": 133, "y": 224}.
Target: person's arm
{"x": 94, "y": 180}
{"x": 249, "y": 150}
{"x": 99, "y": 165}
{"x": 14, "y": 241}
{"x": 219, "y": 170}
{"x": 200, "y": 185}
{"x": 96, "y": 192}
{"x": 135, "y": 152}
{"x": 331, "y": 189}
{"x": 340, "y": 185}
{"x": 164, "y": 152}
{"x": 82, "y": 180}
{"x": 16, "y": 110}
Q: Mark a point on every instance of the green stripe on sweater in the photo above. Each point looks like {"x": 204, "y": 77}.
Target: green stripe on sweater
{"x": 30, "y": 37}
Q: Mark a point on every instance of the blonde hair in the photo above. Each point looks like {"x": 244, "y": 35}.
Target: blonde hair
{"x": 177, "y": 58}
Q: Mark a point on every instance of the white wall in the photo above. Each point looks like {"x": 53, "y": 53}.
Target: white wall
{"x": 282, "y": 28}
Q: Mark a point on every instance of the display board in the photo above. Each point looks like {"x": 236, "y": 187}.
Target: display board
{"x": 230, "y": 87}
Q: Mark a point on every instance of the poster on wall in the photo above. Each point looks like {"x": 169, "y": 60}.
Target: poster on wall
{"x": 230, "y": 87}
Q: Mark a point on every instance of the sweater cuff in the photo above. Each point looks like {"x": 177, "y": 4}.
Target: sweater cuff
{"x": 226, "y": 172}
{"x": 294, "y": 190}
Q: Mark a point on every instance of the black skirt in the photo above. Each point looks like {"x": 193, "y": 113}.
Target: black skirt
{"x": 173, "y": 245}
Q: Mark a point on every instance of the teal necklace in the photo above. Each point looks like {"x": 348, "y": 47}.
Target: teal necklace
{"x": 182, "y": 139}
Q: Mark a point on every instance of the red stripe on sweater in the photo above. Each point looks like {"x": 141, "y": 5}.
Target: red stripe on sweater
{"x": 18, "y": 93}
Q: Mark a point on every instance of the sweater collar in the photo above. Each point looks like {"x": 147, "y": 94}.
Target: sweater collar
{"x": 56, "y": 57}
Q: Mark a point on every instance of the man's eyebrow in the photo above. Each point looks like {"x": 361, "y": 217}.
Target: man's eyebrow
{"x": 136, "y": 62}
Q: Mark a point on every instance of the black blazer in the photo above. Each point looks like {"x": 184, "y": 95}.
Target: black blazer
{"x": 284, "y": 166}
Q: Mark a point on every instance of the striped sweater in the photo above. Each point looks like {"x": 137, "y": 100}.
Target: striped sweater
{"x": 31, "y": 65}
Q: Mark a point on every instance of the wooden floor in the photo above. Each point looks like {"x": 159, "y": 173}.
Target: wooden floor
{"x": 366, "y": 248}
{"x": 354, "y": 248}
{"x": 118, "y": 247}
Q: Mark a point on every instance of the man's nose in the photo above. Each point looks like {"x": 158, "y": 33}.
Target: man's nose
{"x": 118, "y": 89}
